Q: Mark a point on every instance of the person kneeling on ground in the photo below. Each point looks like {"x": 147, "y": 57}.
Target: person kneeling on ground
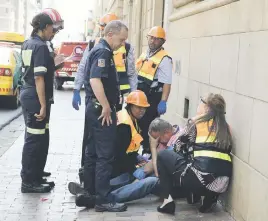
{"x": 127, "y": 144}
{"x": 209, "y": 171}
{"x": 124, "y": 189}
{"x": 161, "y": 133}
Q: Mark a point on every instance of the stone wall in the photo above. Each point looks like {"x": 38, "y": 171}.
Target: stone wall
{"x": 220, "y": 46}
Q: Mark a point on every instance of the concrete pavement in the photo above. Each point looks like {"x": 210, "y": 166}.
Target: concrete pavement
{"x": 7, "y": 115}
{"x": 63, "y": 161}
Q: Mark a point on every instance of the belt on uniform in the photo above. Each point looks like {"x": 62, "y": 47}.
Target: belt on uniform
{"x": 93, "y": 99}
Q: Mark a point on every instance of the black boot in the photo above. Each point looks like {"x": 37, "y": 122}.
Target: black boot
{"x": 50, "y": 183}
{"x": 46, "y": 174}
{"x": 35, "y": 188}
{"x": 169, "y": 208}
{"x": 209, "y": 203}
{"x": 81, "y": 175}
{"x": 75, "y": 188}
{"x": 85, "y": 200}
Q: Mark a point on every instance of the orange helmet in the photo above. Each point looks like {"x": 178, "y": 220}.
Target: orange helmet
{"x": 137, "y": 98}
{"x": 106, "y": 19}
{"x": 157, "y": 32}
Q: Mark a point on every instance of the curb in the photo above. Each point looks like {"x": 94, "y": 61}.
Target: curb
{"x": 10, "y": 120}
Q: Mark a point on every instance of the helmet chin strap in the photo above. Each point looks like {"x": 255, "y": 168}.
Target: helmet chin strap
{"x": 130, "y": 113}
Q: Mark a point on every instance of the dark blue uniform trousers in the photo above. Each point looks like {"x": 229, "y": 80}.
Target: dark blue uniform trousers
{"x": 36, "y": 144}
{"x": 99, "y": 154}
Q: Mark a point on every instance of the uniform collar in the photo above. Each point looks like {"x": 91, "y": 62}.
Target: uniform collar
{"x": 151, "y": 54}
{"x": 38, "y": 37}
{"x": 105, "y": 43}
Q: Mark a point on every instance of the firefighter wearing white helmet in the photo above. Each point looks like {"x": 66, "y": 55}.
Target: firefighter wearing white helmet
{"x": 38, "y": 69}
{"x": 154, "y": 69}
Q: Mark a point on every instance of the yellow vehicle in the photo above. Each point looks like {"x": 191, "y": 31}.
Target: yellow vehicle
{"x": 10, "y": 72}
{"x": 10, "y": 67}
{"x": 12, "y": 37}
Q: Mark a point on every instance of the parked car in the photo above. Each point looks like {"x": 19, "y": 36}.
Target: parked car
{"x": 10, "y": 74}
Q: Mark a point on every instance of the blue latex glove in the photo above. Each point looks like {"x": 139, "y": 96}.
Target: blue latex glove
{"x": 141, "y": 158}
{"x": 76, "y": 99}
{"x": 162, "y": 107}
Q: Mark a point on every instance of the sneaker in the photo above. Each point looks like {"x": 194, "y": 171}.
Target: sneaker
{"x": 46, "y": 174}
{"x": 85, "y": 200}
{"x": 111, "y": 207}
{"x": 35, "y": 188}
{"x": 75, "y": 188}
{"x": 209, "y": 203}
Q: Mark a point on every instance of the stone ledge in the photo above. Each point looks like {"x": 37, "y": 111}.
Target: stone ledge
{"x": 197, "y": 8}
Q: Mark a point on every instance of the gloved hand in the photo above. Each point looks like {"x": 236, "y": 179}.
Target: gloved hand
{"x": 141, "y": 158}
{"x": 162, "y": 107}
{"x": 76, "y": 99}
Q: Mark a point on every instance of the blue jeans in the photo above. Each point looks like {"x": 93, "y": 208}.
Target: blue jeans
{"x": 132, "y": 191}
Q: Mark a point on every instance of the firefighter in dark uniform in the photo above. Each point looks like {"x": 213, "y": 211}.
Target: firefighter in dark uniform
{"x": 102, "y": 94}
{"x": 36, "y": 98}
{"x": 154, "y": 78}
{"x": 124, "y": 60}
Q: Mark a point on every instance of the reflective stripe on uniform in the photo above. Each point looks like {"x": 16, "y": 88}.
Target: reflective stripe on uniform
{"x": 121, "y": 69}
{"x": 35, "y": 131}
{"x": 47, "y": 126}
{"x": 124, "y": 87}
{"x": 26, "y": 57}
{"x": 205, "y": 139}
{"x": 40, "y": 69}
{"x": 212, "y": 154}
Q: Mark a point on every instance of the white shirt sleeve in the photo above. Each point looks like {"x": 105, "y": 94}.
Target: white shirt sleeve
{"x": 164, "y": 71}
{"x": 79, "y": 78}
{"x": 131, "y": 70}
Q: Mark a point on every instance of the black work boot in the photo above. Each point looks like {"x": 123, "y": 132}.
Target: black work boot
{"x": 46, "y": 174}
{"x": 76, "y": 188}
{"x": 209, "y": 203}
{"x": 81, "y": 175}
{"x": 85, "y": 200}
{"x": 35, "y": 188}
{"x": 111, "y": 207}
{"x": 50, "y": 183}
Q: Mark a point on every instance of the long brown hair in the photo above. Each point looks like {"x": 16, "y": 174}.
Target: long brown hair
{"x": 216, "y": 105}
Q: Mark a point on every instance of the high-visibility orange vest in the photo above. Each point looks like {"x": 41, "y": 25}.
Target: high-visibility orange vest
{"x": 147, "y": 67}
{"x": 120, "y": 64}
{"x": 136, "y": 139}
{"x": 207, "y": 157}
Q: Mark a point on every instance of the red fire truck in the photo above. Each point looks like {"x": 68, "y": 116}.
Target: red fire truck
{"x": 73, "y": 52}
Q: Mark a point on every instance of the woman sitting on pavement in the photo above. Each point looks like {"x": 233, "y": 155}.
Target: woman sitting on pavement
{"x": 209, "y": 170}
